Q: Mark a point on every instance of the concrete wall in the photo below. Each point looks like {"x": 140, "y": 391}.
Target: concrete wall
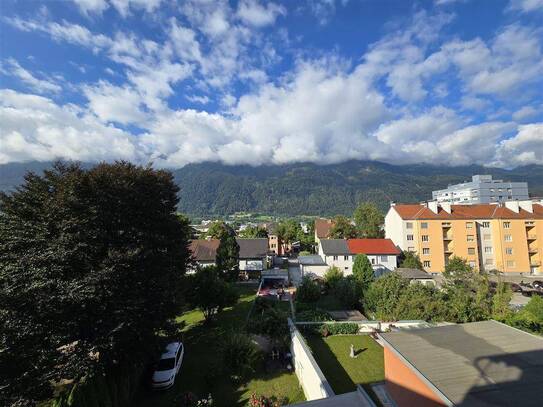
{"x": 309, "y": 374}
{"x": 317, "y": 270}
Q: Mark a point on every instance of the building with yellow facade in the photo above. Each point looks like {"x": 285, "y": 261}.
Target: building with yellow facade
{"x": 504, "y": 236}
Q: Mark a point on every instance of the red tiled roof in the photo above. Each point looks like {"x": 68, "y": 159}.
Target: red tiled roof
{"x": 481, "y": 211}
{"x": 322, "y": 227}
{"x": 203, "y": 249}
{"x": 372, "y": 246}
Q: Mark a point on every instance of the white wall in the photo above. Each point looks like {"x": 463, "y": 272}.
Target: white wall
{"x": 346, "y": 266}
{"x": 388, "y": 261}
{"x": 318, "y": 270}
{"x": 309, "y": 374}
{"x": 395, "y": 229}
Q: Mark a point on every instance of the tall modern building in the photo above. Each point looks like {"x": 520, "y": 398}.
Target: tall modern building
{"x": 482, "y": 189}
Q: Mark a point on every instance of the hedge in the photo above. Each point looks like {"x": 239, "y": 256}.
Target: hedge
{"x": 327, "y": 329}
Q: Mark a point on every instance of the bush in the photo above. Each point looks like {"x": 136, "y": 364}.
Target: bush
{"x": 308, "y": 291}
{"x": 313, "y": 316}
{"x": 338, "y": 329}
{"x": 263, "y": 401}
{"x": 271, "y": 322}
{"x": 348, "y": 291}
{"x": 240, "y": 356}
{"x": 332, "y": 277}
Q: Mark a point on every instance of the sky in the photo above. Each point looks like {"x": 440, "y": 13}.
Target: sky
{"x": 172, "y": 82}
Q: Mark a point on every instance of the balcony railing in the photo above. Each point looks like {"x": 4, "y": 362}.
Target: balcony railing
{"x": 535, "y": 263}
{"x": 531, "y": 236}
{"x": 447, "y": 237}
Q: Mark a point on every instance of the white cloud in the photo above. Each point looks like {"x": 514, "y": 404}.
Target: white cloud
{"x": 526, "y": 112}
{"x": 526, "y": 6}
{"x": 35, "y": 128}
{"x": 91, "y": 6}
{"x": 88, "y": 7}
{"x": 526, "y": 147}
{"x": 38, "y": 85}
{"x": 254, "y": 13}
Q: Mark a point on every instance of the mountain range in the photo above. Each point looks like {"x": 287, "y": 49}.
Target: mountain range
{"x": 214, "y": 189}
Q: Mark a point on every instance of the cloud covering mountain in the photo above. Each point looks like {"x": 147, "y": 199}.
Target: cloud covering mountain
{"x": 268, "y": 82}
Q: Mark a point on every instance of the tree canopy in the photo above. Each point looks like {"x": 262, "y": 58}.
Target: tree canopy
{"x": 92, "y": 265}
{"x": 227, "y": 258}
{"x": 254, "y": 232}
{"x": 363, "y": 271}
{"x": 368, "y": 219}
{"x": 410, "y": 260}
{"x": 343, "y": 228}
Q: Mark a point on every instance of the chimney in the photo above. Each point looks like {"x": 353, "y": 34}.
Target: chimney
{"x": 446, "y": 206}
{"x": 512, "y": 205}
{"x": 432, "y": 205}
{"x": 527, "y": 206}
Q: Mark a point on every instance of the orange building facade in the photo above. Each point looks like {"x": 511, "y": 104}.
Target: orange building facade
{"x": 505, "y": 237}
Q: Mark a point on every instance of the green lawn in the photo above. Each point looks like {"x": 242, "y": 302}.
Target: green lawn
{"x": 201, "y": 371}
{"x": 343, "y": 372}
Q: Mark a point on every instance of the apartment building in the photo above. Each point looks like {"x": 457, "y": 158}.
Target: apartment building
{"x": 503, "y": 236}
{"x": 482, "y": 189}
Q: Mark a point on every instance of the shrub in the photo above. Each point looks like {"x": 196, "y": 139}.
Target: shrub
{"x": 348, "y": 291}
{"x": 332, "y": 277}
{"x": 338, "y": 329}
{"x": 308, "y": 291}
{"x": 263, "y": 401}
{"x": 313, "y": 316}
{"x": 240, "y": 356}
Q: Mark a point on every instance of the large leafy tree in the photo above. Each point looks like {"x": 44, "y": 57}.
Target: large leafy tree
{"x": 218, "y": 229}
{"x": 227, "y": 258}
{"x": 209, "y": 292}
{"x": 254, "y": 232}
{"x": 363, "y": 271}
{"x": 410, "y": 260}
{"x": 91, "y": 267}
{"x": 368, "y": 219}
{"x": 342, "y": 229}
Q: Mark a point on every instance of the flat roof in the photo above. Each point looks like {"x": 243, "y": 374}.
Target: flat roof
{"x": 311, "y": 260}
{"x": 475, "y": 364}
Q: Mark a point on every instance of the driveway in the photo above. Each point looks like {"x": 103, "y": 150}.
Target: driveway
{"x": 294, "y": 272}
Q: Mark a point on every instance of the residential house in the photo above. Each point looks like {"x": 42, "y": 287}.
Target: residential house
{"x": 341, "y": 253}
{"x": 312, "y": 265}
{"x": 507, "y": 237}
{"x": 416, "y": 276}
{"x": 275, "y": 244}
{"x": 475, "y": 364}
{"x": 322, "y": 229}
{"x": 253, "y": 253}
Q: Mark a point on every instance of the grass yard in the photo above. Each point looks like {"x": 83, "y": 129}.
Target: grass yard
{"x": 201, "y": 371}
{"x": 342, "y": 371}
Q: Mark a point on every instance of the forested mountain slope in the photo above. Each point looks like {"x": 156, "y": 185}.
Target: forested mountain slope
{"x": 307, "y": 189}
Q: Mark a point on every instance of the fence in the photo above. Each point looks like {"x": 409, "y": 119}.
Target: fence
{"x": 309, "y": 374}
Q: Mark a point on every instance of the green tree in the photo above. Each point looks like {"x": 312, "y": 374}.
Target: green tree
{"x": 332, "y": 276}
{"x": 254, "y": 232}
{"x": 369, "y": 219}
{"x": 457, "y": 267}
{"x": 382, "y": 296}
{"x": 227, "y": 258}
{"x": 240, "y": 356}
{"x": 288, "y": 231}
{"x": 209, "y": 292}
{"x": 342, "y": 229}
{"x": 500, "y": 302}
{"x": 410, "y": 260}
{"x": 308, "y": 291}
{"x": 347, "y": 291}
{"x": 218, "y": 229}
{"x": 92, "y": 265}
{"x": 363, "y": 271}
{"x": 419, "y": 301}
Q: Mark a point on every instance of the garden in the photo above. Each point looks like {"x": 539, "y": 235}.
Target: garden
{"x": 233, "y": 378}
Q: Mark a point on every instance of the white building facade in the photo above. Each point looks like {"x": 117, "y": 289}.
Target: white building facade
{"x": 482, "y": 189}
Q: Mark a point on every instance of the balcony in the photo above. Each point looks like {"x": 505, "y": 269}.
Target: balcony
{"x": 535, "y": 263}
{"x": 448, "y": 236}
{"x": 532, "y": 250}
{"x": 531, "y": 236}
{"x": 529, "y": 223}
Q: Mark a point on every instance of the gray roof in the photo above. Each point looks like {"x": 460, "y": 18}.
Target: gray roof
{"x": 413, "y": 274}
{"x": 252, "y": 248}
{"x": 311, "y": 260}
{"x": 335, "y": 246}
{"x": 476, "y": 364}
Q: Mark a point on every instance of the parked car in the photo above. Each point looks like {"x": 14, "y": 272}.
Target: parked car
{"x": 168, "y": 366}
{"x": 537, "y": 284}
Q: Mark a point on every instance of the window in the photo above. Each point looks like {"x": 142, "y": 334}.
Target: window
{"x": 424, "y": 225}
{"x": 488, "y": 249}
{"x": 409, "y": 225}
{"x": 470, "y": 238}
{"x": 508, "y": 238}
{"x": 410, "y": 249}
{"x": 506, "y": 225}
{"x": 471, "y": 250}
{"x": 486, "y": 224}
{"x": 409, "y": 237}
{"x": 510, "y": 263}
{"x": 373, "y": 260}
{"x": 487, "y": 236}
{"x": 425, "y": 250}
{"x": 345, "y": 257}
{"x": 346, "y": 268}
{"x": 335, "y": 257}
{"x": 384, "y": 259}
{"x": 489, "y": 262}
{"x": 425, "y": 238}
{"x": 469, "y": 225}
{"x": 508, "y": 250}
{"x": 426, "y": 263}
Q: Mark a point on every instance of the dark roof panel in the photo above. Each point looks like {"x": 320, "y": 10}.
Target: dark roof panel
{"x": 335, "y": 246}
